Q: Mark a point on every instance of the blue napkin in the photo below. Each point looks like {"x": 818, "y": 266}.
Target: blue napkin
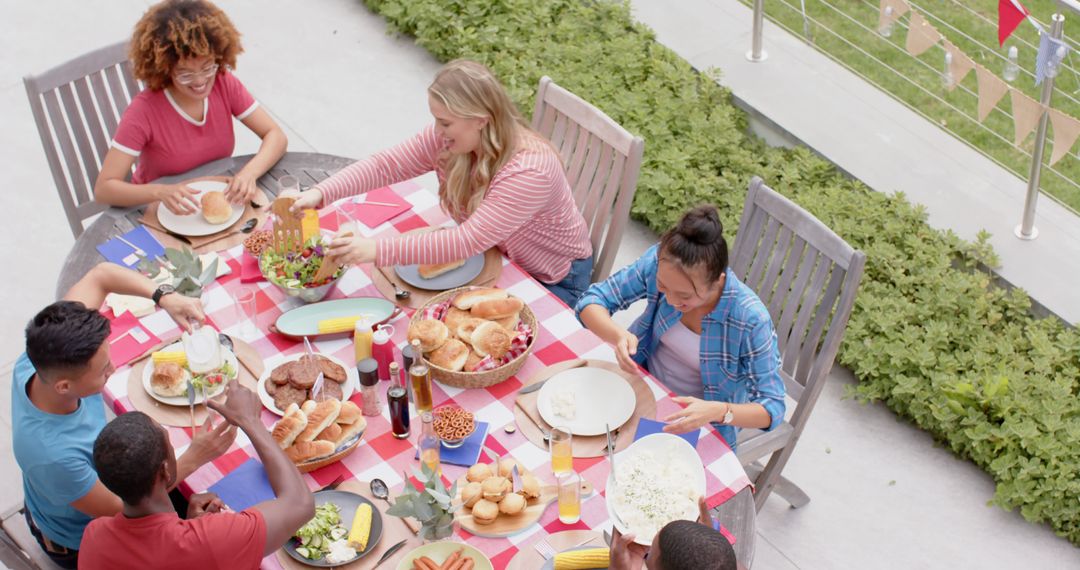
{"x": 245, "y": 487}
{"x": 647, "y": 426}
{"x": 469, "y": 453}
{"x": 121, "y": 253}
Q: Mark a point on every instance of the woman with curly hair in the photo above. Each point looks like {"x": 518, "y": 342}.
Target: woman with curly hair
{"x": 183, "y": 50}
{"x": 500, "y": 180}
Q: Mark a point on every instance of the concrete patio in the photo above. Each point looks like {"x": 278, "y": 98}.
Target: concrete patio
{"x": 884, "y": 496}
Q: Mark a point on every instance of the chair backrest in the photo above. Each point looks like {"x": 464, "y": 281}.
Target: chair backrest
{"x": 807, "y": 276}
{"x": 77, "y": 106}
{"x": 602, "y": 162}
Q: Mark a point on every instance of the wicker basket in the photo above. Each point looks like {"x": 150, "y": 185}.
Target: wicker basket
{"x": 462, "y": 379}
{"x": 312, "y": 465}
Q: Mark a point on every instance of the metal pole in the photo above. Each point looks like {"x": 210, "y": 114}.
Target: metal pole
{"x": 1026, "y": 230}
{"x": 756, "y": 54}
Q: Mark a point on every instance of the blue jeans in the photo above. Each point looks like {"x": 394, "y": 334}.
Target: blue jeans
{"x": 575, "y": 283}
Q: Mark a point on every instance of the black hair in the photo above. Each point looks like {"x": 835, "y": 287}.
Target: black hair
{"x": 688, "y": 545}
{"x": 65, "y": 335}
{"x": 128, "y": 454}
{"x": 697, "y": 241}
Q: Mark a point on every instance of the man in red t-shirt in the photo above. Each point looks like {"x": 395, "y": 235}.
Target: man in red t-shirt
{"x": 135, "y": 460}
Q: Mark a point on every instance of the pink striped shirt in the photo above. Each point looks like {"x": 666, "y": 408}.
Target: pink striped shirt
{"x": 528, "y": 210}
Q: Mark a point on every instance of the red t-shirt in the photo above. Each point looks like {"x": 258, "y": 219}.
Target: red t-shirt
{"x": 167, "y": 141}
{"x": 162, "y": 541}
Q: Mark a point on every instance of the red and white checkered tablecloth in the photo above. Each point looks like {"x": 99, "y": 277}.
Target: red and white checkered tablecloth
{"x": 560, "y": 337}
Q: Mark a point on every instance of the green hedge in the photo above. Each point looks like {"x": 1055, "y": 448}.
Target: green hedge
{"x": 929, "y": 335}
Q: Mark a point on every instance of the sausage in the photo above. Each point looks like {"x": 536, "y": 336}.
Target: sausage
{"x": 451, "y": 560}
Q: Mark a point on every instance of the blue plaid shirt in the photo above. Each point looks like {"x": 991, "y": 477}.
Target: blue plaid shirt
{"x": 740, "y": 358}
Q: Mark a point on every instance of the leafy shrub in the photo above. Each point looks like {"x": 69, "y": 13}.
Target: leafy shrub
{"x": 929, "y": 336}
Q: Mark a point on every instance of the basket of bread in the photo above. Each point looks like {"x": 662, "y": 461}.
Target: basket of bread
{"x": 317, "y": 434}
{"x": 474, "y": 337}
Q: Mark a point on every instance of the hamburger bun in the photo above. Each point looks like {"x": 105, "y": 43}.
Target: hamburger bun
{"x": 431, "y": 333}
{"x": 491, "y": 339}
{"x": 169, "y": 379}
{"x": 451, "y": 355}
{"x": 466, "y": 300}
{"x": 431, "y": 271}
{"x": 466, "y": 328}
{"x": 215, "y": 208}
{"x": 472, "y": 361}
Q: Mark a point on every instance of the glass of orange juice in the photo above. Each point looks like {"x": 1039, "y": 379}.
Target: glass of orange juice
{"x": 569, "y": 497}
{"x": 562, "y": 450}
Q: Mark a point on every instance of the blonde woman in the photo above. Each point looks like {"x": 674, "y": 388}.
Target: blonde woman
{"x": 498, "y": 179}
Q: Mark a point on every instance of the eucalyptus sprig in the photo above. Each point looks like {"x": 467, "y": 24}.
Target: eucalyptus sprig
{"x": 432, "y": 506}
{"x": 185, "y": 267}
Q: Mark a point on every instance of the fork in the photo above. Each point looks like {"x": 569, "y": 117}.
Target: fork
{"x": 545, "y": 549}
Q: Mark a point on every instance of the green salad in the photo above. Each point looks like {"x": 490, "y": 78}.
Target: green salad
{"x": 316, "y": 536}
{"x": 297, "y": 270}
{"x": 214, "y": 381}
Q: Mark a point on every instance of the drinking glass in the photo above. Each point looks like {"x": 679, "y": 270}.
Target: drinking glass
{"x": 247, "y": 311}
{"x": 562, "y": 450}
{"x": 569, "y": 497}
{"x": 288, "y": 184}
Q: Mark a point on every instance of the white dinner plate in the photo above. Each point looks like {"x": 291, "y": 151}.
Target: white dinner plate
{"x": 669, "y": 448}
{"x": 195, "y": 224}
{"x": 600, "y": 396}
{"x": 352, "y": 379}
{"x": 148, "y": 372}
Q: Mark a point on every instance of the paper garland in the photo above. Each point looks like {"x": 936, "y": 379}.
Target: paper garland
{"x": 991, "y": 90}
{"x": 921, "y": 35}
{"x": 1066, "y": 131}
{"x": 1026, "y": 113}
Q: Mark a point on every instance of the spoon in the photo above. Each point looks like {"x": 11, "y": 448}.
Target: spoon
{"x": 381, "y": 491}
{"x": 249, "y": 226}
{"x": 399, "y": 293}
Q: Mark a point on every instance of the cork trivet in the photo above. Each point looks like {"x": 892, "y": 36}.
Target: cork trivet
{"x": 529, "y": 420}
{"x": 528, "y": 558}
{"x": 382, "y": 276}
{"x": 394, "y": 531}
{"x": 180, "y": 416}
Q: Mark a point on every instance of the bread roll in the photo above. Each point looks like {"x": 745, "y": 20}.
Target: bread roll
{"x": 349, "y": 413}
{"x": 466, "y": 300}
{"x": 490, "y": 338}
{"x": 431, "y": 333}
{"x": 320, "y": 418}
{"x": 215, "y": 208}
{"x": 466, "y": 328}
{"x": 472, "y": 361}
{"x": 477, "y": 473}
{"x": 302, "y": 451}
{"x": 470, "y": 494}
{"x": 431, "y": 271}
{"x": 512, "y": 504}
{"x": 308, "y": 406}
{"x": 289, "y": 426}
{"x": 510, "y": 323}
{"x": 499, "y": 309}
{"x": 169, "y": 379}
{"x": 455, "y": 317}
{"x": 331, "y": 433}
{"x": 485, "y": 512}
{"x": 451, "y": 355}
{"x": 350, "y": 430}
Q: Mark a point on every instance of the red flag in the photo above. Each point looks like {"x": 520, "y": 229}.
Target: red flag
{"x": 1010, "y": 14}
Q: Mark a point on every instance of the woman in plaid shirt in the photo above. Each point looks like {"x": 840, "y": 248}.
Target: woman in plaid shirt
{"x": 704, "y": 334}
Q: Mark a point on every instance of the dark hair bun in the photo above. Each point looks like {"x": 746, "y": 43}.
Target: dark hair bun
{"x": 701, "y": 226}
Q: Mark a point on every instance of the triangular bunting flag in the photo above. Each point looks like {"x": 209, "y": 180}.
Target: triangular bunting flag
{"x": 921, "y": 36}
{"x": 885, "y": 17}
{"x": 961, "y": 64}
{"x": 991, "y": 90}
{"x": 1010, "y": 14}
{"x": 1026, "y": 112}
{"x": 1066, "y": 130}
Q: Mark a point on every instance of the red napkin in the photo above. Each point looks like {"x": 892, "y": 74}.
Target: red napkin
{"x": 372, "y": 215}
{"x": 249, "y": 269}
{"x": 124, "y": 347}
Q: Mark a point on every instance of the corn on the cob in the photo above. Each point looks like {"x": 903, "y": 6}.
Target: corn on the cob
{"x": 361, "y": 528}
{"x": 583, "y": 559}
{"x": 338, "y": 325}
{"x": 179, "y": 357}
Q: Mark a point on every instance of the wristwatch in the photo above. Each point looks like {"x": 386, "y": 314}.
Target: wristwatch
{"x": 160, "y": 292}
{"x": 729, "y": 416}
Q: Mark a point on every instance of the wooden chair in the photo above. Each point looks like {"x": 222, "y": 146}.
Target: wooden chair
{"x": 602, "y": 162}
{"x": 77, "y": 106}
{"x": 807, "y": 276}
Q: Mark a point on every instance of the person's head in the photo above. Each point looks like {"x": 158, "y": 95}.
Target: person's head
{"x": 480, "y": 127}
{"x": 183, "y": 44}
{"x": 688, "y": 545}
{"x": 693, "y": 258}
{"x": 66, "y": 343}
{"x": 133, "y": 457}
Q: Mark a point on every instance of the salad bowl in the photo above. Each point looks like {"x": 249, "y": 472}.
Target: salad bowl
{"x": 293, "y": 272}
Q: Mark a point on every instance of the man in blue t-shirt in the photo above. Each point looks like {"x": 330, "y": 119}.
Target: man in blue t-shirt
{"x": 57, "y": 410}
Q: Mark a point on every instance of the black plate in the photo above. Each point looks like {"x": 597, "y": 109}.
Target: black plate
{"x": 347, "y": 504}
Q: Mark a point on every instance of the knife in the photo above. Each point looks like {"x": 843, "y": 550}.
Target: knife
{"x": 389, "y": 552}
{"x": 191, "y": 405}
{"x": 537, "y": 385}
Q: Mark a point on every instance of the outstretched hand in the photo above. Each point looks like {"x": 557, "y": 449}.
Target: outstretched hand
{"x": 625, "y": 553}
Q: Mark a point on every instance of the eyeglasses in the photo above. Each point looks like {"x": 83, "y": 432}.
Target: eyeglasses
{"x": 189, "y": 77}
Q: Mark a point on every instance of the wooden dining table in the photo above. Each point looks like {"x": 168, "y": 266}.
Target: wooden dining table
{"x": 560, "y": 337}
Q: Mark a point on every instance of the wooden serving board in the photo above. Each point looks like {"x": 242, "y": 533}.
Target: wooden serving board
{"x": 509, "y": 525}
